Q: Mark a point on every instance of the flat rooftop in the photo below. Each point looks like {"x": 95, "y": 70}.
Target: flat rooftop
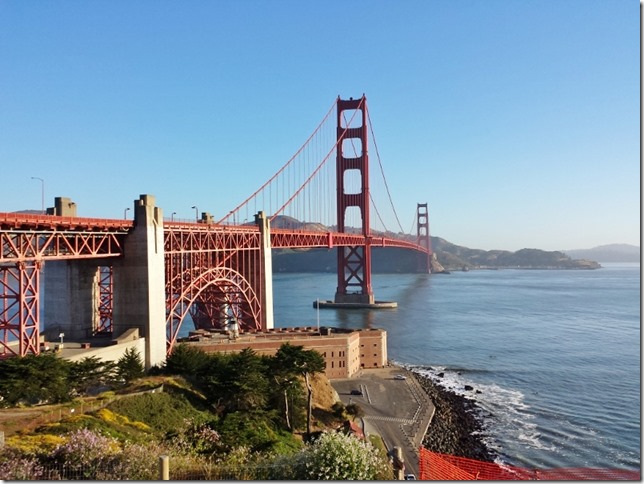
{"x": 214, "y": 336}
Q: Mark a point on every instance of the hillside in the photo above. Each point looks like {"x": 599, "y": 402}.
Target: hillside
{"x": 608, "y": 253}
{"x": 452, "y": 257}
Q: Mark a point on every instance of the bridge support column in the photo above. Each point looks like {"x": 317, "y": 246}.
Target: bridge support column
{"x": 139, "y": 282}
{"x": 267, "y": 271}
{"x": 20, "y": 308}
{"x": 71, "y": 298}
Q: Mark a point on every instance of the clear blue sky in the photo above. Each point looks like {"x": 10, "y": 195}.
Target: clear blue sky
{"x": 517, "y": 121}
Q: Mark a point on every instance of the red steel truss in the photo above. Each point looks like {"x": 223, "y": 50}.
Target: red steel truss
{"x": 20, "y": 309}
{"x": 26, "y": 242}
{"x": 106, "y": 299}
{"x": 216, "y": 272}
{"x": 293, "y": 239}
{"x": 40, "y": 237}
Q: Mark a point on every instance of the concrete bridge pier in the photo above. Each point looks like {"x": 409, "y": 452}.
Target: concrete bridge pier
{"x": 267, "y": 269}
{"x": 70, "y": 290}
{"x": 71, "y": 299}
{"x": 139, "y": 282}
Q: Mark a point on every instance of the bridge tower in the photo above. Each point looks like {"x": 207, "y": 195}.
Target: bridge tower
{"x": 422, "y": 238}
{"x": 354, "y": 263}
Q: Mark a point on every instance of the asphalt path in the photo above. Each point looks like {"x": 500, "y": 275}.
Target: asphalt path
{"x": 398, "y": 410}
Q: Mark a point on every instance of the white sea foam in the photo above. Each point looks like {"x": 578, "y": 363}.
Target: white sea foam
{"x": 503, "y": 413}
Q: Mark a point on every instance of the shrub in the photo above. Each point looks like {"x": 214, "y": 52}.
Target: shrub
{"x": 338, "y": 409}
{"x": 34, "y": 444}
{"x": 15, "y": 465}
{"x": 85, "y": 454}
{"x": 163, "y": 412}
{"x": 137, "y": 462}
{"x": 194, "y": 438}
{"x": 111, "y": 417}
{"x": 336, "y": 456}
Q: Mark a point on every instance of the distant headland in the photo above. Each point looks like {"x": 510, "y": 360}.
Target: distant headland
{"x": 448, "y": 258}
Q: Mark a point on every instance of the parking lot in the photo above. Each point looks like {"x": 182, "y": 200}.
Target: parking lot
{"x": 394, "y": 407}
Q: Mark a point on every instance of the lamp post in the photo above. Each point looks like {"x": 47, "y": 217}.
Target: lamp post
{"x": 196, "y": 212}
{"x": 125, "y": 213}
{"x": 42, "y": 193}
{"x": 172, "y": 216}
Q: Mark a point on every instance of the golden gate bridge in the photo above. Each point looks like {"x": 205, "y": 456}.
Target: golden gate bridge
{"x": 106, "y": 276}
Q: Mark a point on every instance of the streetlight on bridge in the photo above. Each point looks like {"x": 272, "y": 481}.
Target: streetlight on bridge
{"x": 172, "y": 216}
{"x": 196, "y": 212}
{"x": 42, "y": 193}
{"x": 125, "y": 213}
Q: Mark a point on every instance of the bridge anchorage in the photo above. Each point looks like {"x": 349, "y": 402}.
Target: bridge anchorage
{"x": 354, "y": 290}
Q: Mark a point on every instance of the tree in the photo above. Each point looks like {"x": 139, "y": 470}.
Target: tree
{"x": 288, "y": 390}
{"x": 297, "y": 360}
{"x": 237, "y": 381}
{"x": 130, "y": 365}
{"x": 90, "y": 372}
{"x": 186, "y": 360}
{"x": 34, "y": 379}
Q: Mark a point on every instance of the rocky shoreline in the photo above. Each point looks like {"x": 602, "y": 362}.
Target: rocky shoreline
{"x": 454, "y": 428}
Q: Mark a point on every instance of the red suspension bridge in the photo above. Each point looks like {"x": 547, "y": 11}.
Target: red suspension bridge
{"x": 105, "y": 276}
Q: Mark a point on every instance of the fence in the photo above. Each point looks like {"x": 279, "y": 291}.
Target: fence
{"x": 15, "y": 420}
{"x": 443, "y": 467}
{"x": 144, "y": 470}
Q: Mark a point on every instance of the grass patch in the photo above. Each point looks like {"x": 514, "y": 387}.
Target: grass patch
{"x": 162, "y": 412}
{"x": 378, "y": 443}
{"x": 110, "y": 429}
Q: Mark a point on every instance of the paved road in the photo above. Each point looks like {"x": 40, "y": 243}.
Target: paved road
{"x": 398, "y": 410}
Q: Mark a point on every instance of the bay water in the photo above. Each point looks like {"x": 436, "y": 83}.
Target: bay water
{"x": 553, "y": 355}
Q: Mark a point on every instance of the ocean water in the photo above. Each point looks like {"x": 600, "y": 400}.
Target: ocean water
{"x": 553, "y": 356}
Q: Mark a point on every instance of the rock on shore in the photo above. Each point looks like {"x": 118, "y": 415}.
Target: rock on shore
{"x": 454, "y": 428}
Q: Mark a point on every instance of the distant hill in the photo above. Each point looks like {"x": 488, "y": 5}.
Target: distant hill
{"x": 30, "y": 212}
{"x": 608, "y": 253}
{"x": 452, "y": 257}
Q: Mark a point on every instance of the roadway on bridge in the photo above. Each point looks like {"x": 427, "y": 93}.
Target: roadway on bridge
{"x": 398, "y": 410}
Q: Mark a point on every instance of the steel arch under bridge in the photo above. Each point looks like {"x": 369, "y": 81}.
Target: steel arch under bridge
{"x": 215, "y": 274}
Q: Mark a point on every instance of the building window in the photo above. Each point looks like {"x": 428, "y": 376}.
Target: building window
{"x": 331, "y": 364}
